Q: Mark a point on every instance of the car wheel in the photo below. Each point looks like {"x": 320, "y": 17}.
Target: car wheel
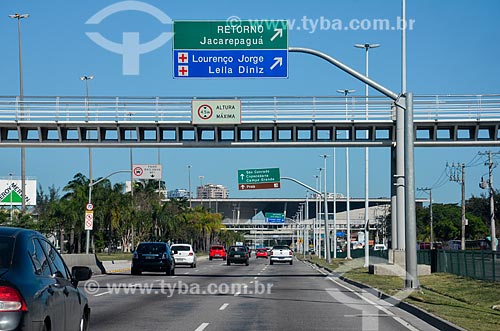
{"x": 291, "y": 262}
{"x": 136, "y": 271}
{"x": 228, "y": 263}
{"x": 193, "y": 265}
{"x": 210, "y": 258}
{"x": 223, "y": 259}
{"x": 271, "y": 262}
{"x": 246, "y": 263}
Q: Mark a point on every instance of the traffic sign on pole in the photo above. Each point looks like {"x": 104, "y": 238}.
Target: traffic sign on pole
{"x": 252, "y": 179}
{"x": 207, "y": 111}
{"x": 89, "y": 220}
{"x": 225, "y": 49}
{"x": 146, "y": 171}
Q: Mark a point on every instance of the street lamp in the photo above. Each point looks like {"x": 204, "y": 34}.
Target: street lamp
{"x": 11, "y": 191}
{"x": 366, "y": 47}
{"x": 318, "y": 241}
{"x": 21, "y": 100}
{"x": 86, "y": 79}
{"x": 201, "y": 189}
{"x": 348, "y": 199}
{"x": 189, "y": 184}
{"x": 327, "y": 230}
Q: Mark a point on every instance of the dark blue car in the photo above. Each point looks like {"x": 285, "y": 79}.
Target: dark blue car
{"x": 37, "y": 291}
{"x": 153, "y": 256}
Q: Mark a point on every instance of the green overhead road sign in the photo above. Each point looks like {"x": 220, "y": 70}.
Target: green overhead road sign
{"x": 252, "y": 179}
{"x": 258, "y": 34}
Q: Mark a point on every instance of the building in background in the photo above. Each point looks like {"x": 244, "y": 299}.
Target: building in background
{"x": 212, "y": 191}
{"x": 178, "y": 193}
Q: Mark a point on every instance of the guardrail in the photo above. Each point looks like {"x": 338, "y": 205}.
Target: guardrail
{"x": 254, "y": 109}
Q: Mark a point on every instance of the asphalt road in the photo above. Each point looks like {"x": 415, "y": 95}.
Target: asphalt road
{"x": 215, "y": 296}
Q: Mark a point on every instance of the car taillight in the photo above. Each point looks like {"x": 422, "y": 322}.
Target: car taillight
{"x": 290, "y": 253}
{"x": 11, "y": 300}
{"x": 191, "y": 254}
{"x": 271, "y": 253}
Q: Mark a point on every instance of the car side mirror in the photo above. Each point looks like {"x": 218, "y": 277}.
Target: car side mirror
{"x": 80, "y": 273}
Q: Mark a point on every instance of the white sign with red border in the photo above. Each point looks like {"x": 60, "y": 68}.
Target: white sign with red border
{"x": 89, "y": 220}
{"x": 207, "y": 111}
{"x": 146, "y": 171}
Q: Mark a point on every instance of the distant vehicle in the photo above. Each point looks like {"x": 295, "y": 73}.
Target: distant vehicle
{"x": 184, "y": 254}
{"x": 427, "y": 245}
{"x": 261, "y": 252}
{"x": 217, "y": 252}
{"x": 37, "y": 291}
{"x": 379, "y": 247}
{"x": 237, "y": 254}
{"x": 281, "y": 253}
{"x": 153, "y": 256}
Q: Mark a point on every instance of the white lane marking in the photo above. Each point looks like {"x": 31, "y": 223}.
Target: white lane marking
{"x": 386, "y": 311}
{"x": 237, "y": 294}
{"x": 224, "y": 306}
{"x": 255, "y": 277}
{"x": 251, "y": 282}
{"x": 202, "y": 327}
{"x": 103, "y": 293}
{"x": 174, "y": 276}
{"x": 186, "y": 273}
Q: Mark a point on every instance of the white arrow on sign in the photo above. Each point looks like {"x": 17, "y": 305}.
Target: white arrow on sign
{"x": 242, "y": 176}
{"x": 279, "y": 32}
{"x": 277, "y": 60}
{"x": 242, "y": 186}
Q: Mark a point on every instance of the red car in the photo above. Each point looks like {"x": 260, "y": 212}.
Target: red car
{"x": 261, "y": 252}
{"x": 217, "y": 252}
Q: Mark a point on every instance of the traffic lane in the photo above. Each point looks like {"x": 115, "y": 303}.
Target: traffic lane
{"x": 152, "y": 300}
{"x": 303, "y": 299}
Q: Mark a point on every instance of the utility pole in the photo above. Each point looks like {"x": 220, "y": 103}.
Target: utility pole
{"x": 460, "y": 179}
{"x": 483, "y": 185}
{"x": 429, "y": 191}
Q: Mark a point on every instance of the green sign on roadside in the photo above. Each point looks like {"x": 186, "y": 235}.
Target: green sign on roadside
{"x": 251, "y": 179}
{"x": 258, "y": 34}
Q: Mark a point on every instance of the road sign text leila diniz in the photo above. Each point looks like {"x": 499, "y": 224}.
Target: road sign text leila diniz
{"x": 221, "y": 49}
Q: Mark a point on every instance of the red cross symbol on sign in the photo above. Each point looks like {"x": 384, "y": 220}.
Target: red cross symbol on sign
{"x": 182, "y": 57}
{"x": 183, "y": 70}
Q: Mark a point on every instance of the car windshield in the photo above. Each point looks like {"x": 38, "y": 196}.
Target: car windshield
{"x": 151, "y": 249}
{"x": 6, "y": 250}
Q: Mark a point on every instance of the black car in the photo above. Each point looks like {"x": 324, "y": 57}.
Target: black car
{"x": 153, "y": 256}
{"x": 237, "y": 254}
{"x": 37, "y": 291}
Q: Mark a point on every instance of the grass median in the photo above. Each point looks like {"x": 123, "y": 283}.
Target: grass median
{"x": 465, "y": 302}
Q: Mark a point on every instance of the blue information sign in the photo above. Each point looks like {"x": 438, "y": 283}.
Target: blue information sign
{"x": 268, "y": 63}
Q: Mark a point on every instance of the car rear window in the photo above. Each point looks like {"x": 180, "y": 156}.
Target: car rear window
{"x": 6, "y": 251}
{"x": 281, "y": 247}
{"x": 151, "y": 248}
{"x": 217, "y": 248}
{"x": 238, "y": 249}
{"x": 177, "y": 248}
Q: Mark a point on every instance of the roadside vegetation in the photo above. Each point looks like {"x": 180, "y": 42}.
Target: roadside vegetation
{"x": 471, "y": 304}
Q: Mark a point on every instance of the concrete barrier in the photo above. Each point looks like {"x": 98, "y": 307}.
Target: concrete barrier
{"x": 88, "y": 260}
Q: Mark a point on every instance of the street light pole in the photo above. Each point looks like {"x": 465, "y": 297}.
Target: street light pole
{"x": 11, "y": 191}
{"x": 346, "y": 92}
{"x": 189, "y": 184}
{"x": 201, "y": 189}
{"x": 86, "y": 79}
{"x": 21, "y": 100}
{"x": 327, "y": 230}
{"x": 367, "y": 47}
{"x": 318, "y": 241}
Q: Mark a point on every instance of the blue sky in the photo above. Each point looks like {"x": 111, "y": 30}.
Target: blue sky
{"x": 452, "y": 49}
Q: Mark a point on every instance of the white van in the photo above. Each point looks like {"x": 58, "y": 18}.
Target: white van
{"x": 379, "y": 247}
